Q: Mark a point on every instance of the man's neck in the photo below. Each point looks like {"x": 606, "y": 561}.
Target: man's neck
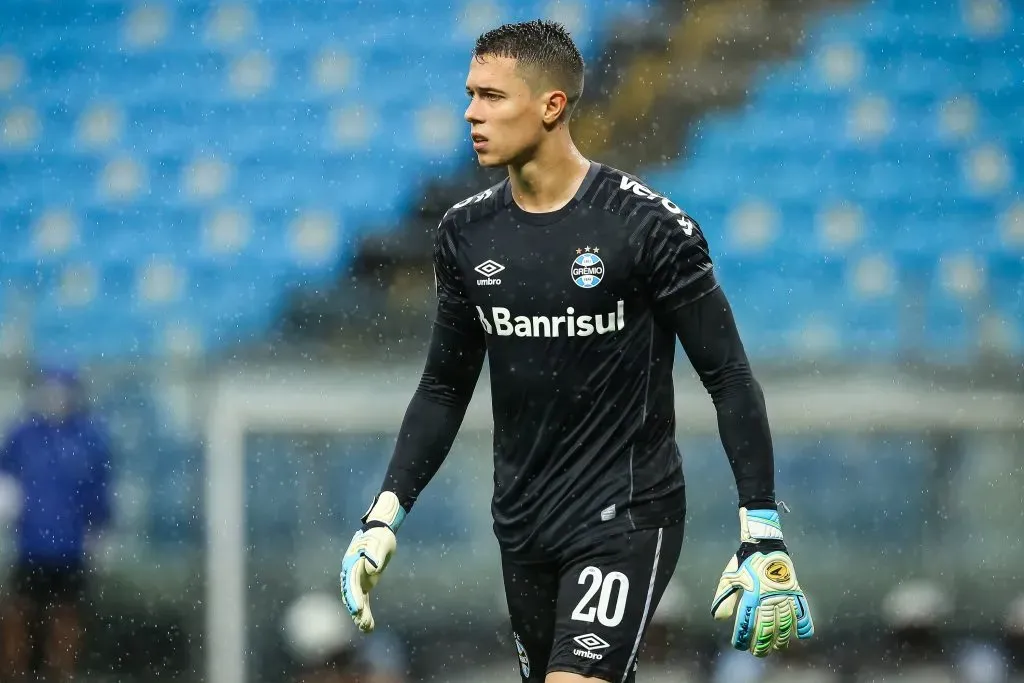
{"x": 549, "y": 180}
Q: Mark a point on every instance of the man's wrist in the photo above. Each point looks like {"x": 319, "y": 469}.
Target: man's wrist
{"x": 747, "y": 549}
{"x": 385, "y": 510}
{"x": 759, "y": 504}
{"x": 759, "y": 525}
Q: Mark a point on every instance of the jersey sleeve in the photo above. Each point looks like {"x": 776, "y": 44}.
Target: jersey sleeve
{"x": 457, "y": 346}
{"x": 454, "y": 310}
{"x": 454, "y": 360}
{"x": 676, "y": 262}
{"x": 711, "y": 340}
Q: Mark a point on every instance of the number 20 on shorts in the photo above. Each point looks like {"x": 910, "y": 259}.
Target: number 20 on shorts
{"x": 602, "y": 586}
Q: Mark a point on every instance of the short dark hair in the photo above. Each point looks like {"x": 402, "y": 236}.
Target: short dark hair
{"x": 542, "y": 46}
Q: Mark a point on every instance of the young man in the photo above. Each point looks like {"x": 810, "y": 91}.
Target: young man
{"x": 576, "y": 280}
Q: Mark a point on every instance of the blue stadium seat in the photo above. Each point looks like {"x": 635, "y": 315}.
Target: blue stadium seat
{"x": 301, "y": 116}
{"x": 863, "y": 118}
{"x": 123, "y": 99}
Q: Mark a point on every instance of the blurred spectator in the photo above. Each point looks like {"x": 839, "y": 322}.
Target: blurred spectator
{"x": 917, "y": 612}
{"x": 669, "y": 654}
{"x": 733, "y": 666}
{"x": 55, "y": 466}
{"x": 1013, "y": 639}
{"x": 978, "y": 661}
{"x": 386, "y": 657}
{"x": 326, "y": 648}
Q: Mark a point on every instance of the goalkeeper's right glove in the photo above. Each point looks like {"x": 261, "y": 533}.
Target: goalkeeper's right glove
{"x": 759, "y": 590}
{"x": 368, "y": 554}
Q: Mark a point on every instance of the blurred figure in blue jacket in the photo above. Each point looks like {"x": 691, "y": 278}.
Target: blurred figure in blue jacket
{"x": 56, "y": 461}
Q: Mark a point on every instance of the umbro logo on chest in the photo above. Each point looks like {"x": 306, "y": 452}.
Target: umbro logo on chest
{"x": 489, "y": 269}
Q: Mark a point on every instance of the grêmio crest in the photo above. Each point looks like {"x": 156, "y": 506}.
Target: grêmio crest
{"x": 587, "y": 268}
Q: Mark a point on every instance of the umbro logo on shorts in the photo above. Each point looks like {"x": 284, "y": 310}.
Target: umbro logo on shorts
{"x": 589, "y": 642}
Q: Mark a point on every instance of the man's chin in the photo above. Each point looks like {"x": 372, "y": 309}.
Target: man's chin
{"x": 487, "y": 160}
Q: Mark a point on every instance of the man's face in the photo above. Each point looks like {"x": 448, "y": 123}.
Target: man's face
{"x": 54, "y": 399}
{"x": 505, "y": 115}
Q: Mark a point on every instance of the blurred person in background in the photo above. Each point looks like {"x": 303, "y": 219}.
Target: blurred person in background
{"x": 668, "y": 656}
{"x": 385, "y": 657}
{"x": 980, "y": 661}
{"x": 1013, "y": 640}
{"x": 55, "y": 467}
{"x": 321, "y": 641}
{"x": 801, "y": 665}
{"x": 916, "y": 613}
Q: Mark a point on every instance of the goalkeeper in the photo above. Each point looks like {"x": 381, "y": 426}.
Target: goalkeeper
{"x": 575, "y": 280}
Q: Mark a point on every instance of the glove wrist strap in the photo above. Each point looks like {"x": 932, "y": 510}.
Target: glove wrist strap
{"x": 759, "y": 525}
{"x": 385, "y": 510}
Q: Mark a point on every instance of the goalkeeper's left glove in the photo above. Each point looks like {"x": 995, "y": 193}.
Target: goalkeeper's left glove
{"x": 368, "y": 555}
{"x": 759, "y": 588}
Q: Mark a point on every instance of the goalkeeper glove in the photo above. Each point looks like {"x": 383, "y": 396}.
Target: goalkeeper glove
{"x": 760, "y": 589}
{"x": 368, "y": 554}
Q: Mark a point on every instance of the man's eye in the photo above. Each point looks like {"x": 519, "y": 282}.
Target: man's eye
{"x": 492, "y": 96}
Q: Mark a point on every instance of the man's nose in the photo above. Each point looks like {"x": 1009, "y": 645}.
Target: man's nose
{"x": 472, "y": 114}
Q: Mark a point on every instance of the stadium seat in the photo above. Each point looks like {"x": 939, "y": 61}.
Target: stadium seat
{"x": 218, "y": 139}
{"x": 908, "y": 115}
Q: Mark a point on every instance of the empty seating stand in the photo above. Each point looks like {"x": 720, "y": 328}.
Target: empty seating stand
{"x": 866, "y": 201}
{"x": 169, "y": 170}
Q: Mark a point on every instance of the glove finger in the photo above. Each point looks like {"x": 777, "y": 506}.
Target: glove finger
{"x": 746, "y": 618}
{"x": 364, "y": 620}
{"x": 764, "y": 632}
{"x": 785, "y": 621}
{"x": 804, "y": 622}
{"x": 724, "y": 604}
{"x": 352, "y": 569}
{"x": 373, "y": 564}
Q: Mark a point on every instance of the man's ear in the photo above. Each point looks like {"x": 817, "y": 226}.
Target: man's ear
{"x": 556, "y": 104}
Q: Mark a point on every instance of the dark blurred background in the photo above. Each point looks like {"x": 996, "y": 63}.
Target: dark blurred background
{"x": 216, "y": 221}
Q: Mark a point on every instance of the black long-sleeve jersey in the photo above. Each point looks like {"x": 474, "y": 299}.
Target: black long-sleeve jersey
{"x": 578, "y": 311}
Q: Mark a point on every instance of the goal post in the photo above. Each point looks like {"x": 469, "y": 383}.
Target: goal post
{"x": 318, "y": 400}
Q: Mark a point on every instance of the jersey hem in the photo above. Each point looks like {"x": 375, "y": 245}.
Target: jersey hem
{"x": 667, "y": 510}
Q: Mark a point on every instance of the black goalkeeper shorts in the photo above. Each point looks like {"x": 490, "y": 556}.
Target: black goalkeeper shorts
{"x": 587, "y": 613}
